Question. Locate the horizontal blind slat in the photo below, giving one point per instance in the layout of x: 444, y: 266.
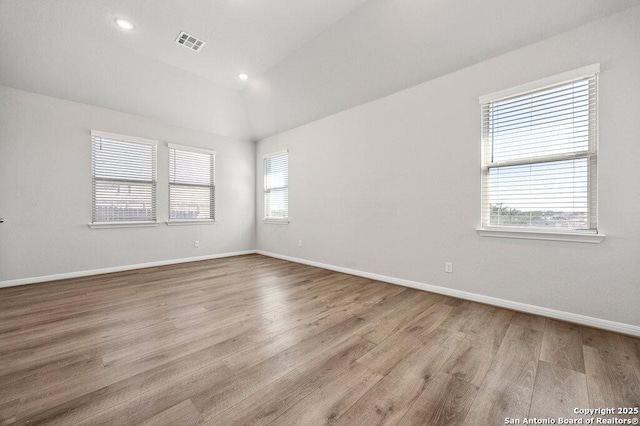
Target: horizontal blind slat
x: 276, y: 176
x: 191, y: 185
x: 526, y: 182
x: 124, y: 186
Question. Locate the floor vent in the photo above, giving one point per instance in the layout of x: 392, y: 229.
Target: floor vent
x: 190, y: 41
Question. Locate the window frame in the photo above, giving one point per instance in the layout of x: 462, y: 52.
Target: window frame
x: 153, y: 221
x: 539, y: 233
x: 267, y: 190
x: 212, y: 216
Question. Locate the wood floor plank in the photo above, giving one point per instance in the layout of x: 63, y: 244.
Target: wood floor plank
x: 492, y: 407
x: 610, y: 342
x: 86, y: 337
x: 514, y: 368
x: 445, y: 401
x: 246, y: 382
x: 214, y: 331
x: 492, y: 326
x: 25, y: 373
x: 183, y: 414
x: 389, y: 400
x: 380, y: 296
x: 202, y: 383
x: 151, y: 370
x: 202, y: 369
x: 14, y: 346
x: 55, y: 348
x: 131, y: 298
x: 29, y: 321
x: 145, y: 405
x: 244, y: 309
x: 377, y: 311
x: 508, y: 386
x: 558, y: 391
x: 263, y: 407
x: 157, y: 315
x: 399, y: 317
x: 470, y: 361
x: 397, y: 346
x: 284, y: 334
x: 535, y: 322
x: 8, y: 411
x: 112, y: 305
x: 613, y: 379
x: 325, y: 404
x: 304, y: 310
x: 140, y: 357
x: 26, y: 382
x: 631, y: 345
x: 562, y: 345
x: 465, y: 315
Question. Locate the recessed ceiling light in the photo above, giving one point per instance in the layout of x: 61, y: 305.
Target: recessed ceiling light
x: 124, y: 24
x: 243, y: 76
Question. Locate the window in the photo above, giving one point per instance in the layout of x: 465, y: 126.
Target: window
x: 191, y: 184
x: 124, y: 178
x: 539, y: 145
x: 276, y: 187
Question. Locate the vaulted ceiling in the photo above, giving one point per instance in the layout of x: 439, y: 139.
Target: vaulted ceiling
x: 306, y: 59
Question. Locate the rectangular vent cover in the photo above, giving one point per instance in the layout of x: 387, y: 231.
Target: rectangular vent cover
x: 190, y: 41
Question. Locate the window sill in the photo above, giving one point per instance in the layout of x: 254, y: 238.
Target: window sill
x: 541, y: 235
x: 100, y: 225
x: 191, y: 222
x: 276, y: 221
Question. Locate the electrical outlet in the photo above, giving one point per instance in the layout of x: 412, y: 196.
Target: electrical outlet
x: 196, y: 244
x: 299, y: 243
x: 448, y: 267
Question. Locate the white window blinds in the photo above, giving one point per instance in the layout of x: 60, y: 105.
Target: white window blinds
x: 191, y: 183
x: 276, y: 186
x: 124, y: 178
x: 539, y: 155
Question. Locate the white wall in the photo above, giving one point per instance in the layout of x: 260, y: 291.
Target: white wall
x: 45, y: 191
x: 392, y: 187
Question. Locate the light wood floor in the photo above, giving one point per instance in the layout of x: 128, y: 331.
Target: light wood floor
x: 256, y: 340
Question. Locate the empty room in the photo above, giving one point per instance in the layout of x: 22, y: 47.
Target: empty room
x: 307, y: 212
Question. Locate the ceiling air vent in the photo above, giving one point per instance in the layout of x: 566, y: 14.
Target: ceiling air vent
x: 190, y: 41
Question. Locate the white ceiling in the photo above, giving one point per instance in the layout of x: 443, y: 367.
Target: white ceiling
x: 241, y: 35
x: 306, y: 58
x: 389, y: 45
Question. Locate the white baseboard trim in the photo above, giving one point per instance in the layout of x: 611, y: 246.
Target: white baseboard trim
x: 516, y: 306
x: 34, y: 280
